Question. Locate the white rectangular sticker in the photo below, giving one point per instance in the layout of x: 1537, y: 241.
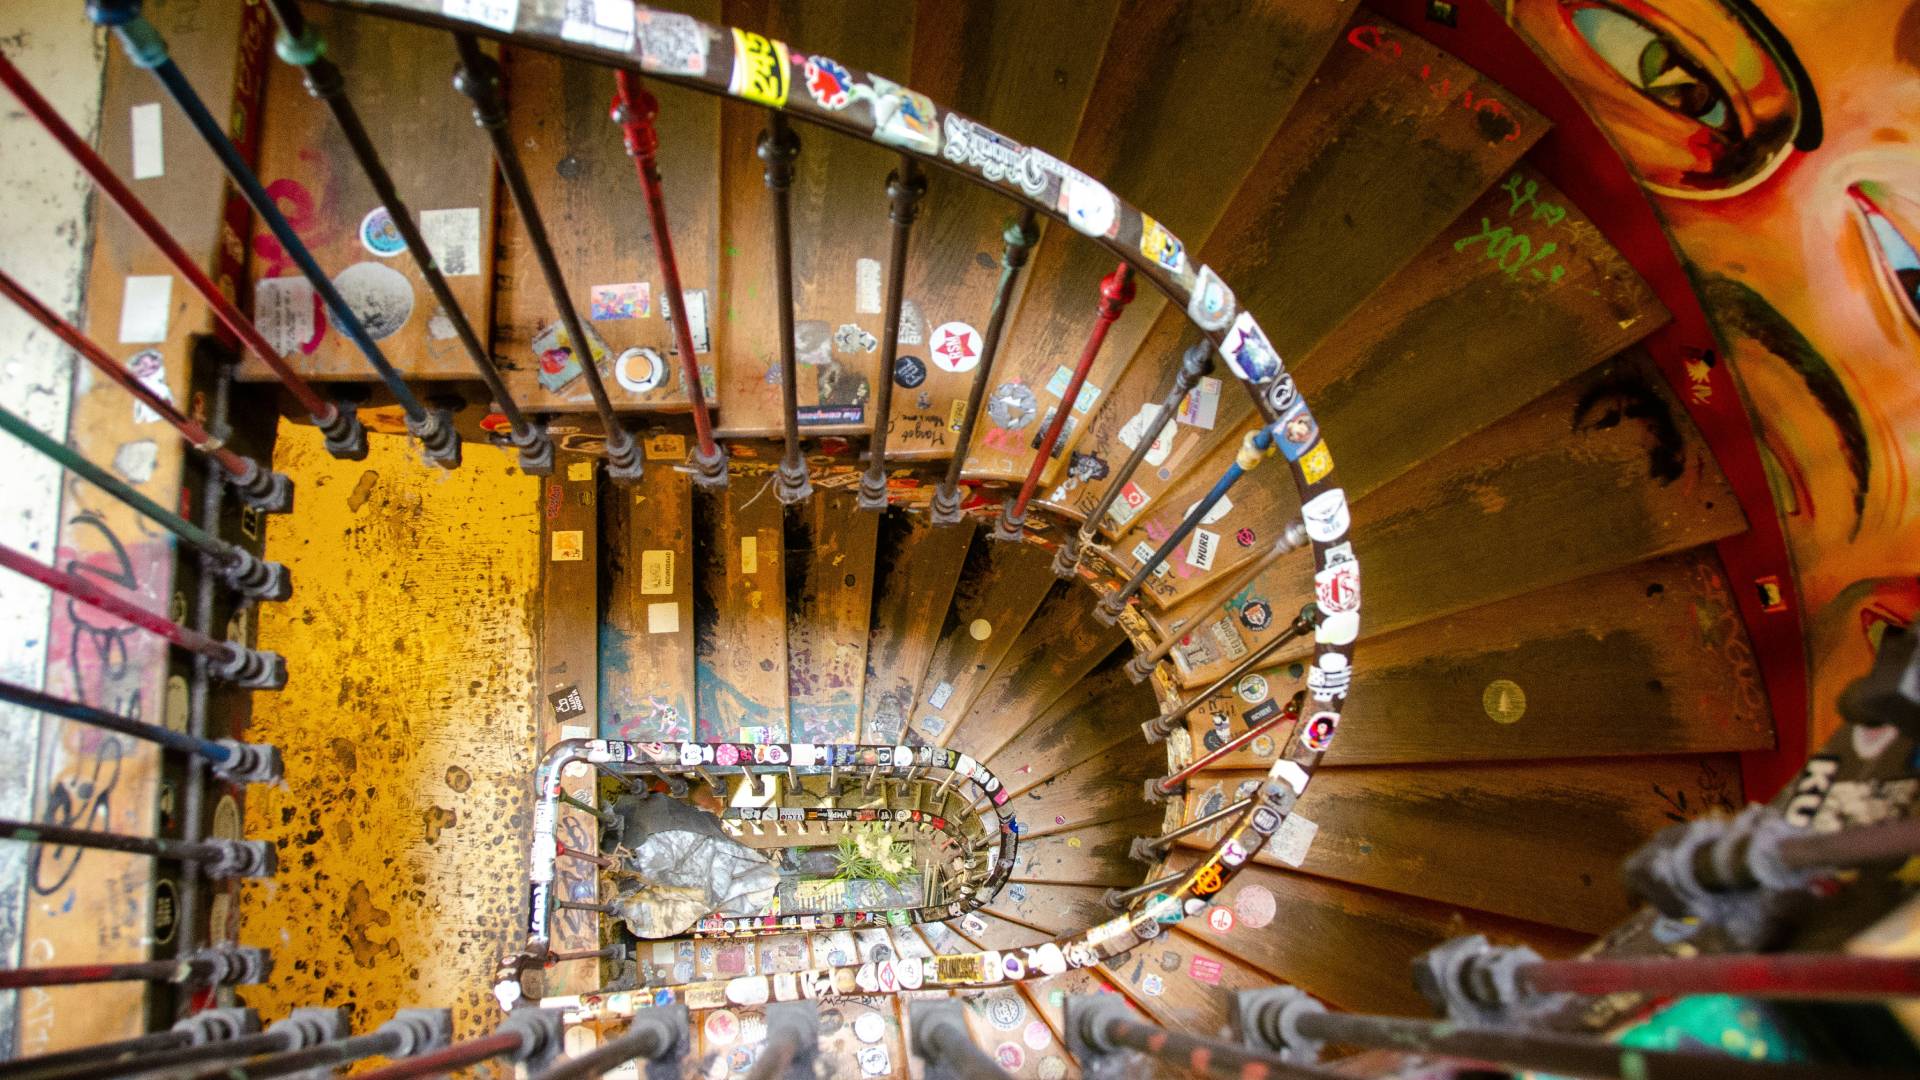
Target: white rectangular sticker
x: 1143, y: 551
x: 1293, y: 838
x: 696, y: 307
x: 656, y: 572
x: 606, y: 23
x: 498, y: 14
x: 283, y: 309
x: 568, y: 545
x: 454, y: 238
x: 938, y: 699
x: 749, y: 554
x: 866, y: 287
x: 1202, y: 404
x: 144, y: 309
x: 1202, y: 546
x: 149, y: 157
x: 663, y: 618
x: 1057, y: 386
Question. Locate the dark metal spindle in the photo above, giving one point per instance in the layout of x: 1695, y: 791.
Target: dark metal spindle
x: 146, y: 48
x: 634, y: 109
x: 301, y: 45
x: 224, y: 965
x: 906, y: 186
x: 648, y: 1037
x: 447, y: 1059
x: 409, y: 1031
x: 1116, y: 292
x: 257, y: 485
x: 254, y: 669
x: 236, y: 762
x: 1795, y: 975
x: 219, y: 858
x: 1150, y: 850
x: 1118, y: 900
x: 1291, y: 539
x: 1171, y: 783
x: 346, y: 438
x: 1158, y: 727
x: 778, y: 147
x: 943, y: 1041
x: 115, y: 1055
x: 1100, y: 1027
x: 1018, y: 239
x: 245, y: 572
x: 208, y: 1036
x: 1197, y: 362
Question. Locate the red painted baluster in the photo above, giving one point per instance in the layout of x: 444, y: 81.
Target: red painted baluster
x: 634, y: 109
x: 1116, y: 292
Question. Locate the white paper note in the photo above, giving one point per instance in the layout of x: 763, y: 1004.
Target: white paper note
x: 144, y: 309
x: 149, y: 158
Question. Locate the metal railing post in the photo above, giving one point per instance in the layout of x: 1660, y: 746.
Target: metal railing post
x: 1019, y: 238
x: 906, y: 186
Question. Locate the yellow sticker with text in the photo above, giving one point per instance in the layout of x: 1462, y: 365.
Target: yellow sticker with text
x: 569, y: 546
x: 760, y: 71
x: 1316, y: 463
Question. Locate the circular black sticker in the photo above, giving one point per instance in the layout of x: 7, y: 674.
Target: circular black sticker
x: 909, y: 371
x: 1257, y: 615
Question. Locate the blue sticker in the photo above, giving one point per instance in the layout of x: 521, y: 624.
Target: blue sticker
x: 1296, y: 431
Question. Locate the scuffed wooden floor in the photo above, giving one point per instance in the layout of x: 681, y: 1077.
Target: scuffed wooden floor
x: 407, y: 728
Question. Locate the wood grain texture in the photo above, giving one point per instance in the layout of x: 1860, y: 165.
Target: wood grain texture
x: 1101, y: 711
x: 1052, y: 909
x: 1180, y: 155
x: 1094, y: 855
x: 1308, y: 932
x: 740, y: 614
x: 1000, y: 588
x: 830, y: 567
x: 397, y: 77
x: 595, y: 213
x: 647, y: 688
x: 1541, y: 841
x: 1185, y: 983
x: 1104, y: 787
x: 916, y: 569
x: 1059, y: 645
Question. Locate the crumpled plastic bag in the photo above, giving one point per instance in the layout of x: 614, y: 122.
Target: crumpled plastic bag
x: 683, y: 867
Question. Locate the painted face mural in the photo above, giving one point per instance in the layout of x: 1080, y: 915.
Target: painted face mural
x: 1781, y: 143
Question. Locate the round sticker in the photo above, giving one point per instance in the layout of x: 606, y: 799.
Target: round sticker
x: 1263, y: 746
x: 980, y: 629
x: 869, y: 1028
x: 1152, y: 985
x: 1252, y: 689
x: 909, y: 371
x: 1504, y: 701
x: 1010, y: 1056
x: 1052, y: 1068
x: 1220, y: 919
x: 379, y: 234
x: 1005, y: 1012
x: 1213, y: 740
x: 829, y: 83
x: 639, y: 370
x: 380, y: 296
x: 1257, y: 615
x: 1244, y: 537
x: 1012, y: 406
x: 1255, y: 906
x: 874, y: 1060
x: 722, y: 1027
x: 955, y: 347
x: 1089, y: 206
x: 1036, y: 1035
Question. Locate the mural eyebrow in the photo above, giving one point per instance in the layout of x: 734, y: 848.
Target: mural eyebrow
x: 1811, y: 131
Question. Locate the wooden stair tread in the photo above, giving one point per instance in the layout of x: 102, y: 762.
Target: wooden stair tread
x: 647, y: 683
x: 917, y: 567
x: 1058, y: 646
x: 1000, y: 587
x: 829, y: 589
x: 740, y: 614
x: 1096, y: 855
x: 1102, y: 788
x: 1093, y: 716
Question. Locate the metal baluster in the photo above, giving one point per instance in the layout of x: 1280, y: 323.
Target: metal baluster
x: 216, y: 858
x: 233, y: 761
x: 1102, y: 1034
x: 146, y: 48
x: 1154, y: 849
x: 301, y: 1028
x: 584, y: 856
x: 778, y: 147
x: 1019, y: 239
x: 610, y: 952
x: 1118, y: 900
x: 116, y: 1055
x: 1159, y: 789
x: 793, y: 1042
x: 223, y: 965
x: 253, y: 669
x: 634, y: 110
x: 408, y: 1032
x: 346, y: 437
x: 1196, y: 363
x: 526, y: 1036
x: 943, y: 1042
x: 478, y: 77
x: 1116, y: 292
x: 905, y: 187
x: 1253, y: 450
x: 301, y: 45
x: 243, y: 571
x: 1292, y: 538
x: 1793, y: 975
x: 657, y: 1034
x: 1157, y: 728
x: 257, y: 485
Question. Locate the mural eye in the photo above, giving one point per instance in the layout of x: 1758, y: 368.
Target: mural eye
x: 1893, y: 254
x: 1703, y: 97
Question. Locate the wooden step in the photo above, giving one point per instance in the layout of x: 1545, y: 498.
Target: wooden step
x: 647, y: 683
x: 595, y: 213
x: 1311, y: 933
x: 1186, y: 983
x: 397, y: 77
x: 1540, y: 841
x: 1647, y: 659
x: 1105, y: 787
x: 1169, y: 153
x: 1059, y: 645
x: 1052, y: 909
x: 1097, y: 714
x: 1000, y: 588
x: 740, y: 614
x: 916, y: 570
x: 829, y: 591
x: 1097, y: 855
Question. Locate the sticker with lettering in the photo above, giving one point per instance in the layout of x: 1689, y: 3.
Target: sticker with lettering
x: 760, y: 69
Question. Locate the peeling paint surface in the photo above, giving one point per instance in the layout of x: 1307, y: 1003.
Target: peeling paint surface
x: 407, y: 728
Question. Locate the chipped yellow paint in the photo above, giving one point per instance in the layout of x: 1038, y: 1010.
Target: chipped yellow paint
x: 407, y: 728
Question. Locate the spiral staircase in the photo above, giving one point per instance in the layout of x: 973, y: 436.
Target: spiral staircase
x: 1553, y: 665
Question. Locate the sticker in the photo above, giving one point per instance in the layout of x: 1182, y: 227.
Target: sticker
x: 145, y: 308
x: 1295, y: 836
x: 554, y: 347
x: 850, y: 338
x: 1219, y: 510
x: 454, y: 239
x: 1201, y: 407
x: 1089, y: 207
x: 440, y: 328
x: 1252, y: 689
x: 956, y: 414
x: 1161, y: 246
x: 1263, y: 746
x: 284, y: 309
x: 866, y: 272
x: 722, y: 1027
x: 830, y: 85
x: 567, y: 703
x: 1051, y: 1067
x: 980, y: 629
x: 150, y: 368
x: 632, y: 300
x: 1264, y: 711
x: 1036, y: 1034
x: 941, y: 694
x: 955, y: 347
x: 760, y: 70
x: 663, y: 618
x: 656, y: 572
x: 137, y: 460
x: 640, y: 370
x: 1057, y: 386
x: 972, y: 923
x: 1010, y: 1056
x: 1506, y: 703
x: 1296, y: 431
x: 749, y: 554
x: 1290, y: 773
x: 1211, y: 305
x: 1220, y: 919
x: 1325, y: 516
x: 909, y: 372
x: 378, y: 295
x: 1255, y: 906
x: 671, y: 43
x: 902, y: 117
x: 913, y: 325
x: 696, y: 306
x: 1231, y: 643
x: 1318, y: 733
x: 1338, y: 629
x: 497, y: 14
x: 749, y: 990
x: 148, y: 159
x: 1256, y: 615
x: 1337, y: 588
x: 379, y: 235
x: 869, y: 1028
x: 1005, y: 1012
x: 1316, y: 463
x: 1204, y: 968
x: 832, y: 414
x: 1329, y: 677
x: 1201, y: 548
x: 568, y: 545
x: 1152, y: 985
x: 1012, y: 406
x: 1143, y: 551
x: 607, y: 24
x: 1132, y: 499
x: 1248, y: 352
x: 874, y: 1060
x: 1869, y: 740
x: 666, y: 447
